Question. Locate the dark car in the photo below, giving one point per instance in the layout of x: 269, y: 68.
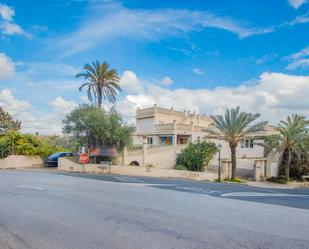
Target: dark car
x: 52, y: 160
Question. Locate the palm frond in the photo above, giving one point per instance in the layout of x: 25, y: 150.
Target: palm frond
x: 102, y: 82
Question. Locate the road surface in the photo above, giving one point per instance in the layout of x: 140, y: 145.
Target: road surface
x: 50, y: 210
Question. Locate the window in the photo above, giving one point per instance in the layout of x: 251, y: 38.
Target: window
x: 150, y: 140
x: 246, y: 143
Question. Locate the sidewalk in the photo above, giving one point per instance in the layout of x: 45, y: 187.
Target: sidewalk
x: 290, y: 185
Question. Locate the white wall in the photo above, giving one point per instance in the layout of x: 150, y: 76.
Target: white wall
x: 20, y: 161
x: 145, y: 125
x: 256, y: 151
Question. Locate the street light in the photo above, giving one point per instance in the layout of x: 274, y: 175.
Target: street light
x: 219, y: 147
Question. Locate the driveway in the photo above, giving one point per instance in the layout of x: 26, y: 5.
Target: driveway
x: 60, y: 210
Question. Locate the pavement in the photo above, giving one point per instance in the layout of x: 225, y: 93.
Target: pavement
x: 52, y: 210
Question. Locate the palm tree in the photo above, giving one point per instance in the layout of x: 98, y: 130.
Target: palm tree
x: 103, y: 83
x: 232, y: 127
x: 291, y: 141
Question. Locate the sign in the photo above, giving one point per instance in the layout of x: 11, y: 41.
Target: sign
x: 84, y: 158
x: 105, y: 164
x: 103, y: 151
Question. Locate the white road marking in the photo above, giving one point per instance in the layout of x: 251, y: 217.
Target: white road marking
x: 257, y: 194
x: 214, y: 191
x: 29, y: 187
x: 195, y: 189
x: 127, y: 179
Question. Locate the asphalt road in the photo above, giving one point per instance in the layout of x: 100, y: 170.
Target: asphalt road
x: 46, y: 210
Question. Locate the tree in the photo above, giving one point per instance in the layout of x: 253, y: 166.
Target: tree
x: 196, y: 156
x: 291, y: 141
x: 7, y: 122
x: 103, y: 83
x: 233, y: 126
x: 94, y: 127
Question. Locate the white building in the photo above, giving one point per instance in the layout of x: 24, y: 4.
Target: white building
x: 167, y: 131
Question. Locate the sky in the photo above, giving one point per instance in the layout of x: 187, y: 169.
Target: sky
x: 201, y: 55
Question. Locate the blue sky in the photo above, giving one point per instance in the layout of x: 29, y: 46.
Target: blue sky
x: 202, y: 56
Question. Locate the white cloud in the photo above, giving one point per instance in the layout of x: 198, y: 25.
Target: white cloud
x: 62, y: 106
x: 299, y: 59
x: 112, y: 20
x: 7, y: 68
x: 12, y: 105
x: 130, y: 83
x: 296, y: 3
x: 197, y: 71
x: 7, y: 24
x: 274, y: 95
x: 166, y: 81
x: 49, y: 122
x: 6, y: 12
x: 301, y: 19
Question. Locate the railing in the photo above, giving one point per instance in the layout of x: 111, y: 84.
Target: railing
x: 183, y: 127
x: 145, y: 112
x: 135, y: 152
x: 164, y: 127
x: 161, y: 148
x: 170, y: 127
x: 199, y: 128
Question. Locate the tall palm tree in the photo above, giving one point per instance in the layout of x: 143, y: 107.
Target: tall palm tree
x: 291, y: 141
x: 232, y: 127
x: 103, y: 83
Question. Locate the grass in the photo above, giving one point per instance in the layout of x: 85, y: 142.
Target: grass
x: 236, y: 180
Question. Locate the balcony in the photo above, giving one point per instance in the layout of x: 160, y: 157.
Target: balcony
x: 172, y: 127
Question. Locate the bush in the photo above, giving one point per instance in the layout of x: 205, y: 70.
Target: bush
x: 279, y: 179
x: 25, y: 144
x: 196, y: 156
x: 180, y: 167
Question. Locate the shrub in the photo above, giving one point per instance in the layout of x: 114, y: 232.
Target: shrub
x: 149, y: 165
x: 25, y: 144
x: 279, y: 179
x: 196, y: 156
x: 180, y: 167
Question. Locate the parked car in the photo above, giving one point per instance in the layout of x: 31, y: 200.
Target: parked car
x: 52, y: 160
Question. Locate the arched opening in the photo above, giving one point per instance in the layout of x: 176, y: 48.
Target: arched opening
x: 134, y: 163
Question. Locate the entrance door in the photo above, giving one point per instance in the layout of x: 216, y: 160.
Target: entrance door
x: 274, y: 169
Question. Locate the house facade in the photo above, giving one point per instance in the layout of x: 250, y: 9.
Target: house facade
x: 168, y: 126
x: 164, y: 132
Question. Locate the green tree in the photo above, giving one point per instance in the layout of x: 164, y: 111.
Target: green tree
x: 67, y: 142
x: 196, y: 156
x: 233, y: 126
x: 291, y: 141
x: 7, y: 122
x: 103, y: 83
x: 94, y: 127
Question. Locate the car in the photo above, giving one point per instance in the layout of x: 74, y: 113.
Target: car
x: 52, y: 160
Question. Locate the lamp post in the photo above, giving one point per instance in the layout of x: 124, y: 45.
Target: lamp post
x: 219, y: 147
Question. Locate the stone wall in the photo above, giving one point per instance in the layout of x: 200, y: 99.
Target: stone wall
x: 65, y: 164
x: 20, y: 161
